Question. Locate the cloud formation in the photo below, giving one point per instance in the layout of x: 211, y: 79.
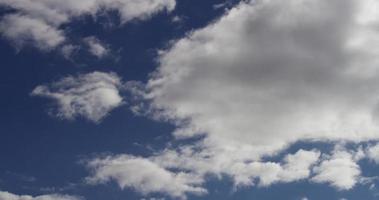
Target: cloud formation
x: 267, y: 74
x: 9, y: 196
x: 39, y: 22
x: 270, y: 73
x: 157, y: 174
x: 91, y: 95
x: 144, y: 176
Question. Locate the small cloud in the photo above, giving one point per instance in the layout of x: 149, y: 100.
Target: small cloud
x: 91, y: 95
x: 176, y: 19
x: 68, y: 50
x: 96, y: 47
x: 144, y: 176
x: 330, y: 170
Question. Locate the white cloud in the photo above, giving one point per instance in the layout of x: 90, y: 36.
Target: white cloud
x: 340, y: 170
x: 295, y: 167
x: 21, y: 29
x: 96, y: 47
x: 268, y: 74
x: 9, y: 196
x: 271, y: 73
x: 179, y: 173
x: 39, y: 21
x: 265, y: 75
x: 144, y: 176
x: 91, y: 95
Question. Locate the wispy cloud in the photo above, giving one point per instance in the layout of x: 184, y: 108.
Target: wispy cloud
x: 91, y: 95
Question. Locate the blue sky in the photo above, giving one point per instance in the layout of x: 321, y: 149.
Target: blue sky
x: 181, y: 99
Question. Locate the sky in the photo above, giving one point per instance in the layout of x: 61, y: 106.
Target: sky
x: 189, y: 100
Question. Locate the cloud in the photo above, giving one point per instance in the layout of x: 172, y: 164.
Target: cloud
x: 9, y: 196
x: 267, y: 74
x: 39, y: 22
x: 96, y: 47
x: 298, y: 165
x: 373, y: 153
x: 270, y: 73
x: 68, y: 50
x: 294, y: 167
x: 144, y: 176
x: 340, y: 170
x: 91, y: 95
x: 178, y: 174
x: 21, y: 30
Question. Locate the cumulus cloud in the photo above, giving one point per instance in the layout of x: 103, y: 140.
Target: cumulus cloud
x: 294, y: 167
x: 179, y: 173
x: 9, y: 196
x: 39, y: 21
x: 96, y: 47
x: 340, y: 170
x: 144, y: 176
x: 265, y: 75
x: 91, y: 95
x: 270, y: 73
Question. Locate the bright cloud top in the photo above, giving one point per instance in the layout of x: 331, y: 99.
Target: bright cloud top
x: 91, y: 96
x: 39, y: 21
x: 10, y: 196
